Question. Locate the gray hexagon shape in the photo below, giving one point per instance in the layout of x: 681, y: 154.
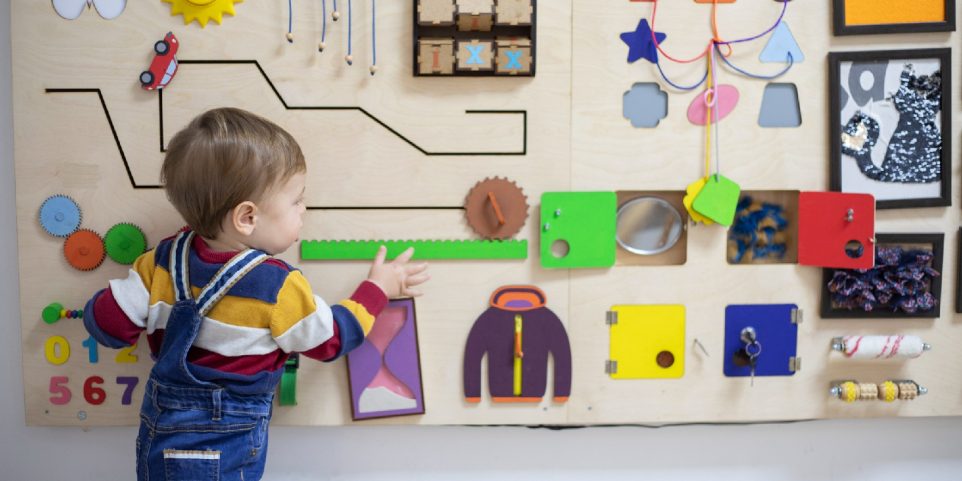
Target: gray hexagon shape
x: 645, y: 104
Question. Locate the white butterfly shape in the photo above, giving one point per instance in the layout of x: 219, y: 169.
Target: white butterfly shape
x: 71, y: 9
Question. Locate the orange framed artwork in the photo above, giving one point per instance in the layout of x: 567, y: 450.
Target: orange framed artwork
x: 861, y: 17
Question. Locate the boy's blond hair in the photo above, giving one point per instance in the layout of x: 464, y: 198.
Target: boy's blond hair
x: 224, y: 157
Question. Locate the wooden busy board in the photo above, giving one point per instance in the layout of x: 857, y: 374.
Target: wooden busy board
x: 392, y: 156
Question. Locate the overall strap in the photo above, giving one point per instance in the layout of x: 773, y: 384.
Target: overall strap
x: 179, y: 258
x: 228, y: 275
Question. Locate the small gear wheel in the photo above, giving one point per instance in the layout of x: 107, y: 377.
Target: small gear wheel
x: 59, y: 215
x: 84, y: 250
x: 496, y: 208
x: 125, y: 242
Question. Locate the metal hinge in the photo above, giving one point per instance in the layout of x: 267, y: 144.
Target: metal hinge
x: 794, y: 364
x: 611, y: 318
x: 611, y: 367
x: 796, y: 316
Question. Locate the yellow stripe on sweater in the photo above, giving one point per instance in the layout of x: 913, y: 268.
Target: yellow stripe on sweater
x: 364, y: 318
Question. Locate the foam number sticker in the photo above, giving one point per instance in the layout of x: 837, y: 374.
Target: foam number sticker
x: 57, y: 386
x: 131, y: 383
x: 126, y: 355
x: 692, y: 191
x: 91, y: 345
x: 92, y: 393
x: 57, y: 350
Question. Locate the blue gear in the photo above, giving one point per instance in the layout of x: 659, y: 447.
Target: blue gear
x: 60, y: 215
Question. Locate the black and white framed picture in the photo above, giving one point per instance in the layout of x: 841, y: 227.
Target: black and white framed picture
x: 890, y: 125
x: 906, y: 281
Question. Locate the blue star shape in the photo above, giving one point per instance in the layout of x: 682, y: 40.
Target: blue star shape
x: 640, y: 44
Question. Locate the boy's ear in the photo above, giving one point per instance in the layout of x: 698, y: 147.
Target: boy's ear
x: 244, y: 217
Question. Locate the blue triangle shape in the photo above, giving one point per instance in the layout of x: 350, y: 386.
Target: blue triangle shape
x: 780, y: 45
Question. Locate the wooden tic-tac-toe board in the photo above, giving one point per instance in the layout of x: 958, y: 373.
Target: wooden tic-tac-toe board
x: 393, y: 156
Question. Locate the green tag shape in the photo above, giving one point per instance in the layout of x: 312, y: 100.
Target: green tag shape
x: 718, y: 199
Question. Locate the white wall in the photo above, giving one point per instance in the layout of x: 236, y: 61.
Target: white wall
x: 880, y: 450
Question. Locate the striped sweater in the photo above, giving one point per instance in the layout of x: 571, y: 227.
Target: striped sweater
x: 267, y: 315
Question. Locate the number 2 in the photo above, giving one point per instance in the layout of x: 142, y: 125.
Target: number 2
x: 127, y: 354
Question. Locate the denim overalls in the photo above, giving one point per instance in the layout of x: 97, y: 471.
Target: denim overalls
x: 192, y: 429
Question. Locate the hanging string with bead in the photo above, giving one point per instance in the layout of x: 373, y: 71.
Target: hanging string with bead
x: 373, y: 36
x: 350, y: 34
x: 321, y: 45
x: 290, y: 21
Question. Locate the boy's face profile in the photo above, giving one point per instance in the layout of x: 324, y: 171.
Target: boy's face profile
x: 280, y: 216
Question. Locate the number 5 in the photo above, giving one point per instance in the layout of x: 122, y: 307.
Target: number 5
x: 57, y: 387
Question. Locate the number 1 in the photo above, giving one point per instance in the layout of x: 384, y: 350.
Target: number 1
x: 91, y: 345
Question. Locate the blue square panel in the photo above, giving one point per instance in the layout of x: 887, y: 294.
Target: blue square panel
x: 776, y: 329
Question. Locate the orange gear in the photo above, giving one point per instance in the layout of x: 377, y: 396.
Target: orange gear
x: 496, y: 208
x: 84, y: 250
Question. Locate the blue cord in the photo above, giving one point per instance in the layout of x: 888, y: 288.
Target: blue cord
x: 334, y: 15
x: 791, y: 62
x: 323, y: 24
x: 373, y: 34
x: 290, y: 21
x: 681, y: 87
x: 350, y: 13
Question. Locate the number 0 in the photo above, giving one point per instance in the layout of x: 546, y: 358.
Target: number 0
x: 57, y: 350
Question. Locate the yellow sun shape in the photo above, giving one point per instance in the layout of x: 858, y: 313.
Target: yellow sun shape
x: 202, y: 10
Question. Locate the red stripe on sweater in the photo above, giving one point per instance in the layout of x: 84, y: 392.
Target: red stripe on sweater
x: 112, y: 320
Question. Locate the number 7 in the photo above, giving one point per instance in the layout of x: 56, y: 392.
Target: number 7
x: 131, y: 383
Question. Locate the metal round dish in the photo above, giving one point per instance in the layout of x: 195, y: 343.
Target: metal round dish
x: 648, y: 225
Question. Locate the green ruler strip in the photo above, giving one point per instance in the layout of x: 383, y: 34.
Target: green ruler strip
x: 328, y: 250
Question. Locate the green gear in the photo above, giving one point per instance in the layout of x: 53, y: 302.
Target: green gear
x: 125, y: 242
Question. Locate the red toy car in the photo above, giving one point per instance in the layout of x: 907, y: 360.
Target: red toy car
x: 164, y: 66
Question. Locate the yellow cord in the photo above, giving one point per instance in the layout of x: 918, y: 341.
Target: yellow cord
x: 709, y: 99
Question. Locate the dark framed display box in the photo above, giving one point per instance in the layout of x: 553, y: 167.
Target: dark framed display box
x: 906, y: 281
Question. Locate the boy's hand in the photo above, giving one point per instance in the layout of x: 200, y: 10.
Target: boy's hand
x: 397, y: 278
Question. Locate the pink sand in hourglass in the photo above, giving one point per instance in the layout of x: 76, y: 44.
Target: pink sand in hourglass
x: 386, y: 390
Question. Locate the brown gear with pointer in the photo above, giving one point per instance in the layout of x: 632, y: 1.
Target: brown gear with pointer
x: 496, y: 208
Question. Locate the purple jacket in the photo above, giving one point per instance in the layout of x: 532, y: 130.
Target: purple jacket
x: 517, y: 311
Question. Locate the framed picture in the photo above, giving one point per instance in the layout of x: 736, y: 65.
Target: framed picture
x: 862, y: 17
x: 890, y: 125
x: 385, y: 371
x: 905, y: 282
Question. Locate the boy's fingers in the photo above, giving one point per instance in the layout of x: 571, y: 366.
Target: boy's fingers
x: 405, y: 256
x: 381, y: 254
x: 416, y: 279
x: 416, y: 268
x: 411, y: 292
